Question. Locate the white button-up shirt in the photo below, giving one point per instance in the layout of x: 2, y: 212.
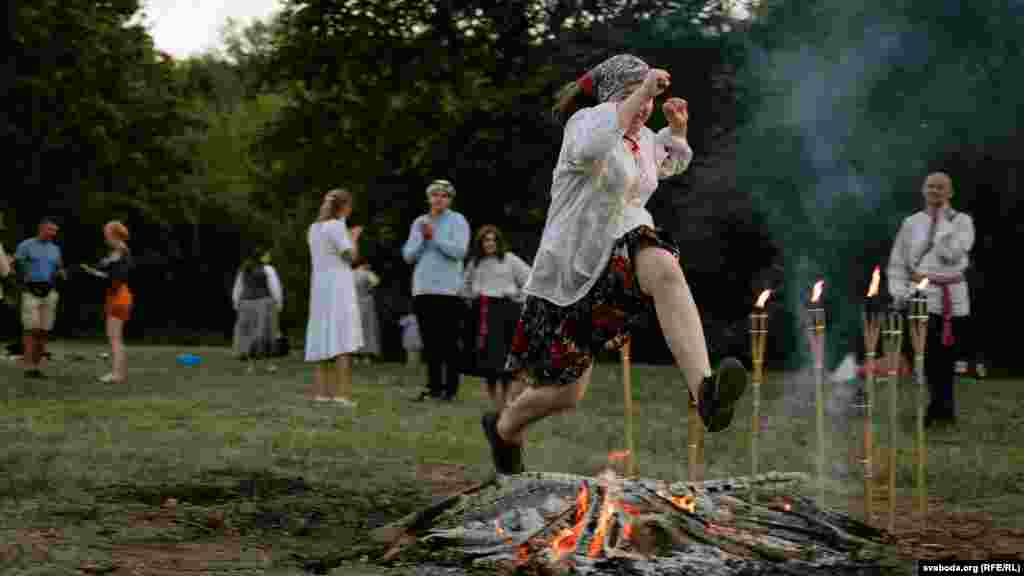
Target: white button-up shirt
x: 598, y: 193
x: 947, y: 256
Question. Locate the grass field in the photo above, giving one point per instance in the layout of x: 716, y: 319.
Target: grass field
x: 207, y: 470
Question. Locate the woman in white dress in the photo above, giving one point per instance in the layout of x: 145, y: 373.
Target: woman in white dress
x: 334, y: 330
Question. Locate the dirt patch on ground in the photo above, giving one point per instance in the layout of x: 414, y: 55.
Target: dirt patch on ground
x: 444, y: 478
x: 184, y: 558
x: 36, y: 543
x: 943, y: 534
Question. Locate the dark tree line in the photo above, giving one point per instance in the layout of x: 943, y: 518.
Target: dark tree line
x: 813, y: 124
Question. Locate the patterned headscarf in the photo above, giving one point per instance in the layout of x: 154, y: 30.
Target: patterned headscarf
x: 609, y: 79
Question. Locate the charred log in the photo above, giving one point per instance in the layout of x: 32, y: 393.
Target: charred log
x: 557, y: 523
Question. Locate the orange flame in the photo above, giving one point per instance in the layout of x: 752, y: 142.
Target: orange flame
x: 523, y: 554
x: 627, y: 531
x: 631, y: 510
x: 616, y: 456
x: 922, y: 284
x: 876, y: 279
x: 688, y: 503
x: 603, y: 522
x: 565, y: 541
x: 763, y: 298
x: 818, y: 287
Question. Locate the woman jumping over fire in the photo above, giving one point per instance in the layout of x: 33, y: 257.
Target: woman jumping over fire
x: 601, y: 261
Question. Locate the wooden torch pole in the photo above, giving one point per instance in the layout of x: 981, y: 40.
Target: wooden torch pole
x: 627, y: 385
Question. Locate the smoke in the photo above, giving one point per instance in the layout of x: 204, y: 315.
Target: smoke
x: 823, y: 165
x: 828, y: 160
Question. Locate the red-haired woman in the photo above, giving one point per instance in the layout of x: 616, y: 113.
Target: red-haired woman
x: 116, y: 269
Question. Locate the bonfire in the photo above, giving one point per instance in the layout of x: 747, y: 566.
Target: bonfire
x: 546, y: 523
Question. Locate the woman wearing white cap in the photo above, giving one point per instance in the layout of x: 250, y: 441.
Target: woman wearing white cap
x: 437, y: 244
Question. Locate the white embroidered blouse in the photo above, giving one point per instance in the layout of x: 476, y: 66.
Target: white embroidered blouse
x: 496, y: 278
x: 598, y: 194
x: 947, y: 256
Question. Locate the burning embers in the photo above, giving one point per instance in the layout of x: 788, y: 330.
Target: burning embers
x: 565, y: 541
x: 601, y: 521
x: 587, y: 525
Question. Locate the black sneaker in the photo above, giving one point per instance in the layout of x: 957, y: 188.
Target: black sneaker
x: 508, y: 458
x: 35, y: 373
x: 719, y: 393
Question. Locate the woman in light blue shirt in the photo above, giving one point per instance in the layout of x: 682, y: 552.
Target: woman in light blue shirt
x: 437, y: 244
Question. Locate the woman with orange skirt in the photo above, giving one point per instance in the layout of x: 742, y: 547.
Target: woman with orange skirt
x: 116, y: 268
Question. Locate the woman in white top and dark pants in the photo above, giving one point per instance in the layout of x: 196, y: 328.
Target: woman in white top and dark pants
x: 935, y: 244
x: 494, y: 281
x: 602, y: 265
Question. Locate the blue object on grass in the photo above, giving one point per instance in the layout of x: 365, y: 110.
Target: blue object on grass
x: 188, y: 359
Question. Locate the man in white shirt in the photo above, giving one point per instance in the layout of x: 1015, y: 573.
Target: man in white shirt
x: 935, y: 244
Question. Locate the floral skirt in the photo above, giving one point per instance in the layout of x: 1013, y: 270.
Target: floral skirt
x: 554, y: 345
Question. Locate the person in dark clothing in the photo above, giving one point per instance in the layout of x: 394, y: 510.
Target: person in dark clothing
x: 493, y: 289
x: 437, y: 244
x: 116, y: 268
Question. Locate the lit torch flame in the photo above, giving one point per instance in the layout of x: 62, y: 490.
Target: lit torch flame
x: 818, y: 287
x: 876, y: 279
x: 922, y: 284
x: 762, y: 299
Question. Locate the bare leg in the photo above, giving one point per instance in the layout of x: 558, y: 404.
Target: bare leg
x: 28, y: 355
x: 321, y: 381
x: 40, y: 347
x: 343, y: 377
x: 511, y: 390
x: 661, y: 277
x: 538, y: 403
x: 118, y: 356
